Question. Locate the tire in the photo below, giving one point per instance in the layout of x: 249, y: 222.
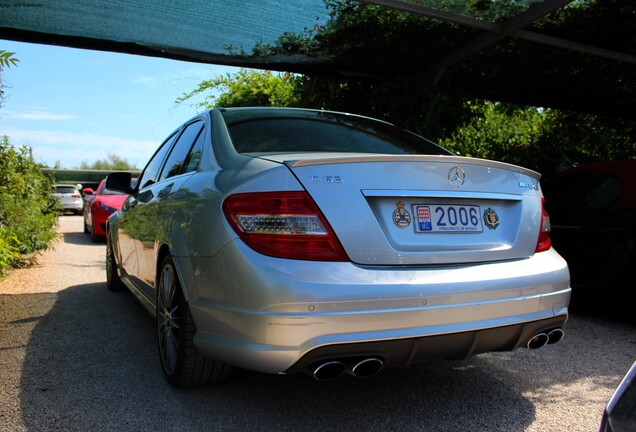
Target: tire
x: 113, y: 281
x: 182, y: 364
x: 95, y: 238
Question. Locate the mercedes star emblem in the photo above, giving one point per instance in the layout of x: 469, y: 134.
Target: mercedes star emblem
x: 456, y: 177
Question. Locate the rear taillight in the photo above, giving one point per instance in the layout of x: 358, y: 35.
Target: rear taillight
x: 76, y: 196
x: 544, y: 243
x: 283, y: 225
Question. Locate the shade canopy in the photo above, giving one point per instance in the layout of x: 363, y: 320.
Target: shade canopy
x: 577, y: 55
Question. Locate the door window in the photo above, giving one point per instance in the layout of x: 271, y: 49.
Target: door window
x: 175, y: 164
x: 151, y: 172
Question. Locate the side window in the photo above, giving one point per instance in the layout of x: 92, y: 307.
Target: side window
x: 194, y: 157
x: 181, y: 149
x: 152, y: 169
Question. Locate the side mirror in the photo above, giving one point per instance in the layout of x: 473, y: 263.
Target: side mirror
x: 88, y: 191
x: 120, y: 182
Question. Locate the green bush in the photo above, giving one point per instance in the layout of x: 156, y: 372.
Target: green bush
x: 28, y: 210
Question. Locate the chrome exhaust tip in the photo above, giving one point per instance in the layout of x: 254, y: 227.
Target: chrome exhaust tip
x: 366, y: 368
x: 538, y: 341
x: 328, y: 370
x: 555, y: 336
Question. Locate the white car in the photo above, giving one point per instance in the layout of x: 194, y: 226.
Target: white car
x: 70, y: 197
x: 287, y: 240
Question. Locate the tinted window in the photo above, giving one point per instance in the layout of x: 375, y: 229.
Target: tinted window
x: 180, y: 151
x: 194, y: 157
x: 66, y: 189
x: 106, y: 191
x: 584, y: 190
x: 256, y: 131
x: 152, y: 169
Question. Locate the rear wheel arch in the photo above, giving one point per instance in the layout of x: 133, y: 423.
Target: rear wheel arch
x: 164, y: 251
x: 183, y: 365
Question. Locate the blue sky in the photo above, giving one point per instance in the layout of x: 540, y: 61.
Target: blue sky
x: 72, y: 105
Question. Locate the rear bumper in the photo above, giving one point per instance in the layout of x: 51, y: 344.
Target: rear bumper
x: 452, y: 346
x: 76, y: 206
x: 276, y: 316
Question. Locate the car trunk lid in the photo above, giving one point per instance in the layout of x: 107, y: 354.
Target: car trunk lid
x: 422, y: 210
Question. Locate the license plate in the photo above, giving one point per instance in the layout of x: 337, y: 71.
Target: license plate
x: 447, y: 218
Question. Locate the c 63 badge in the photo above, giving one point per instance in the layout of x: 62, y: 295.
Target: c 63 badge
x: 401, y: 216
x: 491, y: 219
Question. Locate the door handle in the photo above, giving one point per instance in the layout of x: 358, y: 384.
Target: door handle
x: 165, y: 191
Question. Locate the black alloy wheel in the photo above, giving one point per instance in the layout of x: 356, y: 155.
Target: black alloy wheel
x: 183, y: 365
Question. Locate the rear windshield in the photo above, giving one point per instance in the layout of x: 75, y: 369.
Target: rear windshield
x: 288, y: 130
x: 65, y: 189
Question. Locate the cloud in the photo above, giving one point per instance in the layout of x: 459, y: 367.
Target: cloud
x: 146, y: 81
x: 72, y: 148
x: 36, y: 115
x: 189, y: 74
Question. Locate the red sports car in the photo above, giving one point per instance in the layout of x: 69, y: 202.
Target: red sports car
x: 98, y: 205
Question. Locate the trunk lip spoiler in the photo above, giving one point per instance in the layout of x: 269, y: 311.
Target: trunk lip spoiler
x: 329, y: 160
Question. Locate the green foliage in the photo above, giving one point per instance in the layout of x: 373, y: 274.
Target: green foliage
x: 246, y: 88
x: 28, y: 210
x: 7, y: 59
x: 584, y: 137
x: 541, y: 139
x: 356, y: 32
x: 9, y: 249
x: 498, y: 131
x: 402, y: 100
x: 112, y: 162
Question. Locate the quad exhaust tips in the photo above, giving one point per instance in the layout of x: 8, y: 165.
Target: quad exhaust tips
x: 329, y: 370
x: 555, y: 336
x: 366, y: 368
x: 332, y: 369
x: 370, y: 366
x: 541, y: 339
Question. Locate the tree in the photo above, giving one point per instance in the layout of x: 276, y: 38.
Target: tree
x: 537, y: 138
x: 112, y: 162
x: 28, y: 211
x: 541, y: 139
x: 7, y: 59
x: 246, y: 88
x: 497, y: 131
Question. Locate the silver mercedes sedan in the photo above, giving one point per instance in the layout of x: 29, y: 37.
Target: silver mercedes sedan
x: 288, y: 240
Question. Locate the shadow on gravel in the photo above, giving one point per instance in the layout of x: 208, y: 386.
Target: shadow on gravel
x: 91, y: 364
x: 80, y: 239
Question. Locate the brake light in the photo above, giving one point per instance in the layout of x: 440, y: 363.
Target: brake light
x: 544, y: 243
x: 283, y: 225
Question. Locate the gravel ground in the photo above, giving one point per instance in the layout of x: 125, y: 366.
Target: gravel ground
x: 75, y: 357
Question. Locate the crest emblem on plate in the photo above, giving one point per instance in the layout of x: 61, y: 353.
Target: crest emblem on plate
x: 491, y: 218
x: 456, y: 177
x: 401, y: 216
